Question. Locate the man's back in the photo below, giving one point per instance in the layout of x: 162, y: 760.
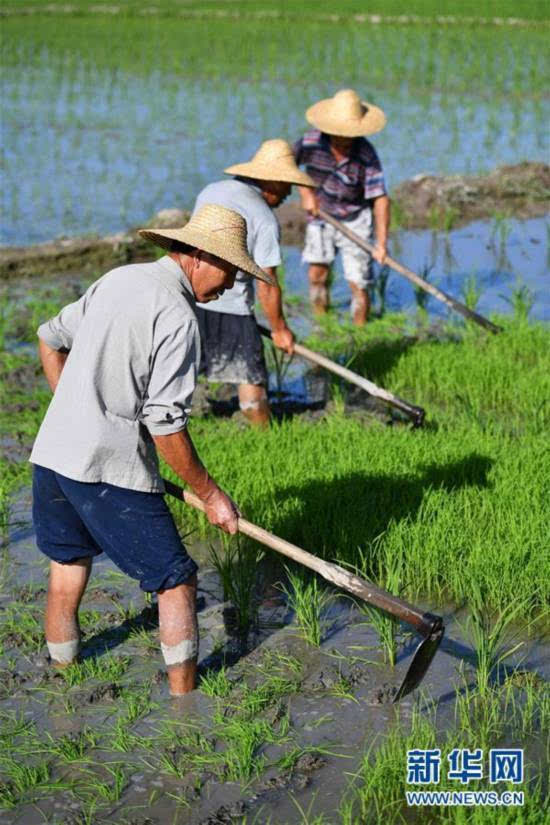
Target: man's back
x: 133, y: 342
x: 263, y: 238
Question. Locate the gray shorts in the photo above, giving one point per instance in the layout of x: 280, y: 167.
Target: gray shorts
x: 231, y: 348
x: 323, y: 241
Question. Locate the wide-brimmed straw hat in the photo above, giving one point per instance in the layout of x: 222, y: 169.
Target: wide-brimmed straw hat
x: 274, y: 160
x: 346, y: 115
x: 214, y: 229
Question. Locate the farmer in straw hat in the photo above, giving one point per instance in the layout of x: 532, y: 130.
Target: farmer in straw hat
x: 232, y: 346
x: 122, y: 362
x: 350, y: 187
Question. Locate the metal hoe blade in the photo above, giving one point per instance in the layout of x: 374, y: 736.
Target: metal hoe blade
x: 422, y: 659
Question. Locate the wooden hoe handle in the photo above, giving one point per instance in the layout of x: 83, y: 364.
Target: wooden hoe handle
x: 422, y: 622
x: 413, y: 277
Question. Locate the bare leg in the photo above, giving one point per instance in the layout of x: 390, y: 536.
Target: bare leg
x: 318, y: 290
x: 65, y: 590
x: 179, y: 635
x: 254, y: 404
x: 360, y: 305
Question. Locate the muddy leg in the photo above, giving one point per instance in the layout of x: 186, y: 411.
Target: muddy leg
x: 318, y: 289
x: 179, y: 635
x: 65, y: 590
x: 360, y: 305
x: 254, y: 404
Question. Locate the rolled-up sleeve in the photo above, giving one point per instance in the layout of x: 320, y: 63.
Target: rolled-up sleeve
x: 58, y: 333
x: 173, y: 376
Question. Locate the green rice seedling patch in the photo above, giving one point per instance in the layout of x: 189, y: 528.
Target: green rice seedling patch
x: 112, y: 114
x: 106, y: 667
x: 308, y: 599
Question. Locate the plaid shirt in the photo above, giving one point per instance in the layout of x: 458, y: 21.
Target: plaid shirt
x: 344, y: 188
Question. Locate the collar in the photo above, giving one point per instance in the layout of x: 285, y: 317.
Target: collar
x: 324, y: 141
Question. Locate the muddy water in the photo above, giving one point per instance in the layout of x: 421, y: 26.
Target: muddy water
x: 113, y: 147
x: 341, y: 707
x: 499, y: 255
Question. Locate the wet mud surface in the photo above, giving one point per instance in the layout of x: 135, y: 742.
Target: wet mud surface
x: 147, y: 759
x: 521, y: 191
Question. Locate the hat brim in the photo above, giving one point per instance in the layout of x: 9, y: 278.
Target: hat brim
x: 169, y: 238
x: 321, y: 115
x: 271, y: 172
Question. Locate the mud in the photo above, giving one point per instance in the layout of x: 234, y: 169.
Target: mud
x: 427, y: 201
x: 338, y: 703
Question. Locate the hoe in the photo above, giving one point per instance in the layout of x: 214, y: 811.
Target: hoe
x: 411, y: 276
x: 429, y: 626
x: 416, y: 414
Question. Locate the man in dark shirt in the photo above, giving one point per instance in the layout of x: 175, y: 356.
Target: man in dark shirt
x: 351, y: 188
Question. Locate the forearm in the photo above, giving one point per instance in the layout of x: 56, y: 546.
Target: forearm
x: 179, y: 452
x: 382, y: 211
x: 271, y: 300
x: 53, y: 362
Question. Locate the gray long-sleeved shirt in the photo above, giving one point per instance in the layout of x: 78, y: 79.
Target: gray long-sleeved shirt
x: 130, y: 373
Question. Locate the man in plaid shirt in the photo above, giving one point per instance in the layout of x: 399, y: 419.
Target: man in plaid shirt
x: 351, y: 188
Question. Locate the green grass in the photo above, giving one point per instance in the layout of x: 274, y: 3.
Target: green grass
x: 463, y: 501
x: 308, y: 599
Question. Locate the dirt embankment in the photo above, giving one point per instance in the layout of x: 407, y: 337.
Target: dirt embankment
x: 426, y: 201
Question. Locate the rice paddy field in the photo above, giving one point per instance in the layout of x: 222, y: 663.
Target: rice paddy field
x: 113, y: 112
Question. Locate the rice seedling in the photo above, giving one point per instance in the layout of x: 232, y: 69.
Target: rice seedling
x: 122, y: 739
x: 71, y: 747
x: 21, y: 779
x: 136, y: 704
x: 278, y: 363
x: 443, y: 218
x: 216, y: 683
x: 380, y: 289
x: 104, y: 668
x: 422, y: 297
x: 110, y: 789
x: 388, y: 570
x: 236, y: 563
x: 243, y: 739
x: 494, y: 638
x: 21, y: 627
x: 308, y: 599
x: 471, y: 292
x: 521, y: 300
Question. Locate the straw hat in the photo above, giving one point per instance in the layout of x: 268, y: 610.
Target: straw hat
x: 214, y: 229
x: 274, y: 160
x: 346, y: 115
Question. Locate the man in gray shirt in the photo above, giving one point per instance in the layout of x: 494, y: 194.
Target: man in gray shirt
x: 232, y: 346
x: 122, y: 362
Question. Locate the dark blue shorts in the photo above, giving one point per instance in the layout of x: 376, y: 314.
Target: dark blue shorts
x: 75, y: 520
